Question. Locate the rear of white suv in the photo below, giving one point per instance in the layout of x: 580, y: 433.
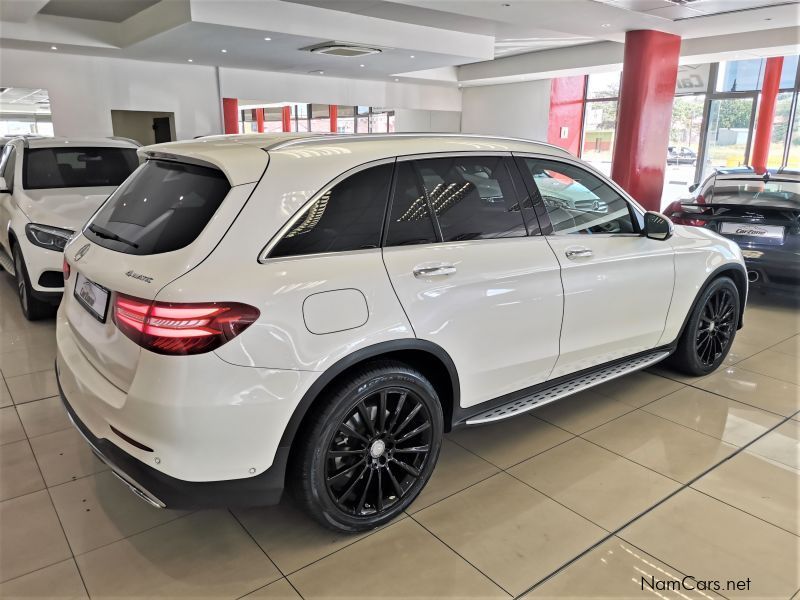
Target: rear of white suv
x: 245, y: 309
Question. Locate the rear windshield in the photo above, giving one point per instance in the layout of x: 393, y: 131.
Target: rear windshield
x: 49, y: 168
x: 774, y: 192
x: 163, y: 207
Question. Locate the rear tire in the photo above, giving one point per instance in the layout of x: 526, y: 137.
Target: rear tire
x: 710, y: 330
x: 33, y: 308
x: 369, y: 449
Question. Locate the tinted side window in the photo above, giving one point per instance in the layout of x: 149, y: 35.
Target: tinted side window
x: 472, y: 197
x: 349, y: 216
x: 410, y: 221
x: 49, y: 168
x: 577, y: 201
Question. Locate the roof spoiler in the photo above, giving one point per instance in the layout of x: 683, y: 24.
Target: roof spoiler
x: 124, y: 139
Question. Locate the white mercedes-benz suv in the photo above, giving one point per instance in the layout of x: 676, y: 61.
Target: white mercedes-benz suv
x: 249, y: 311
x: 49, y: 187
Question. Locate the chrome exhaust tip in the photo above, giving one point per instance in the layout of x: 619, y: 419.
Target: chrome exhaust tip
x: 752, y: 276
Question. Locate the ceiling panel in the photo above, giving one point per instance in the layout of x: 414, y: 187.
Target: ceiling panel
x: 114, y: 11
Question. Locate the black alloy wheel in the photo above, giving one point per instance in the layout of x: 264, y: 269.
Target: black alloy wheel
x: 715, y: 327
x: 368, y: 448
x: 378, y: 452
x: 710, y: 329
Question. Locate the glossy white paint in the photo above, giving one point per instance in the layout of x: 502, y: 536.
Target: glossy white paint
x: 498, y: 314
x: 66, y: 208
x: 497, y: 307
x: 615, y: 299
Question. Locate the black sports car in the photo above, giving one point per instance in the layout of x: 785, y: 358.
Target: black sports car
x: 759, y: 212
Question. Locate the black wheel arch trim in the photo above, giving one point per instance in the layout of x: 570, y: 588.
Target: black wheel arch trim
x: 358, y: 357
x: 716, y: 273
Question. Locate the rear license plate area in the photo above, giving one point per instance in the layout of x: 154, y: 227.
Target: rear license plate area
x: 93, y: 297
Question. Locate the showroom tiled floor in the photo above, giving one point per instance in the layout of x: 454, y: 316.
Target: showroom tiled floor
x: 652, y: 475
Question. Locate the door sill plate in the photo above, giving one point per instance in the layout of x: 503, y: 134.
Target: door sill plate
x: 567, y: 388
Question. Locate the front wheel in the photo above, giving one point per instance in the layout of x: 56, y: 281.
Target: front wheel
x: 33, y: 308
x: 710, y: 331
x: 370, y: 448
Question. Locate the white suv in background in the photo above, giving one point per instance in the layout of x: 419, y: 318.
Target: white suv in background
x: 249, y: 310
x: 49, y: 187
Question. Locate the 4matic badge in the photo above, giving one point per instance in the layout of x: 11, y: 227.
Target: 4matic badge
x: 139, y: 276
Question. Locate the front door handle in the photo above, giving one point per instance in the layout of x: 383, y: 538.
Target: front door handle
x: 578, y: 252
x: 433, y: 270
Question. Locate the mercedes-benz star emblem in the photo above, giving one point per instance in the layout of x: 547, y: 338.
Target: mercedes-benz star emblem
x: 81, y: 252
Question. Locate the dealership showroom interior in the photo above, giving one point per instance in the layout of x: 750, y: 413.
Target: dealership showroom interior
x: 471, y: 299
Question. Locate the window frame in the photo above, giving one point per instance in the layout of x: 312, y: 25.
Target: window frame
x: 9, y: 153
x: 264, y: 256
x: 637, y: 212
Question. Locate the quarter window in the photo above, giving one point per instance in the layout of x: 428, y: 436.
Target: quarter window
x: 577, y: 201
x: 348, y: 216
x: 8, y: 167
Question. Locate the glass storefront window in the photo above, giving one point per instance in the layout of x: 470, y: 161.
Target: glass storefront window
x: 603, y: 85
x: 684, y: 146
x: 794, y: 142
x: 598, y: 134
x: 740, y: 75
x: 728, y: 133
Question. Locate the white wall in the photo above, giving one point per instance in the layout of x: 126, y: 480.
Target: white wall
x: 415, y: 120
x: 271, y: 86
x: 514, y: 109
x: 85, y: 89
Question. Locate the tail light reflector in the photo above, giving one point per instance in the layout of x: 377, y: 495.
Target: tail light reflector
x: 181, y: 328
x: 65, y: 269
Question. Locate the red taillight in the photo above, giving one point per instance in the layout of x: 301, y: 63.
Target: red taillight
x: 65, y: 268
x: 675, y: 208
x: 181, y: 328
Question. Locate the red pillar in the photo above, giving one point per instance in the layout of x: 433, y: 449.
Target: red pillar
x: 286, y: 118
x: 230, y: 114
x: 260, y: 120
x: 566, y: 111
x: 766, y: 114
x: 649, y: 72
x: 334, y: 111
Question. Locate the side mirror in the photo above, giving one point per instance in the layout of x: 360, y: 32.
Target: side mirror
x: 657, y: 226
x: 3, y: 187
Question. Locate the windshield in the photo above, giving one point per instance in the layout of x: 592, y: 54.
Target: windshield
x: 163, y: 207
x: 774, y: 192
x: 50, y: 168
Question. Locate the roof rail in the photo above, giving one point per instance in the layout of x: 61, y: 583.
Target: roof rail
x: 125, y: 139
x: 372, y: 136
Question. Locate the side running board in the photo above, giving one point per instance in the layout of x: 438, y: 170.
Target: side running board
x: 6, y: 262
x: 567, y: 388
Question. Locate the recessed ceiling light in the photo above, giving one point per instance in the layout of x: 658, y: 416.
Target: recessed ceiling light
x: 189, y: 60
x: 53, y: 47
x: 396, y: 79
x: 412, y: 56
x: 267, y: 39
x: 606, y: 25
x: 321, y: 72
x: 223, y: 51
x: 360, y: 65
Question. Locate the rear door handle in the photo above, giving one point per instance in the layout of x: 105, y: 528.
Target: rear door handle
x: 578, y: 252
x: 433, y: 270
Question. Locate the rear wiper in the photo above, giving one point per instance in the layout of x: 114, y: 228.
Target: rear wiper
x: 110, y: 235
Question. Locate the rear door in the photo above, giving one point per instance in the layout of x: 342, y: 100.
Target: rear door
x: 469, y: 276
x: 162, y: 222
x: 617, y: 283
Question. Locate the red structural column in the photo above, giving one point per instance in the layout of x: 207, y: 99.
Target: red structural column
x: 334, y: 111
x: 566, y: 112
x: 649, y: 72
x: 230, y: 115
x: 286, y: 118
x: 766, y: 114
x: 260, y: 120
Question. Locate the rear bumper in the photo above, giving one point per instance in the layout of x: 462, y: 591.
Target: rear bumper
x: 162, y: 491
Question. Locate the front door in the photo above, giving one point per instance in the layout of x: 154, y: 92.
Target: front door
x: 617, y: 283
x: 469, y: 276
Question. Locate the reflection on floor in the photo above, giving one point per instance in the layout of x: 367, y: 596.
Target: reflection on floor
x: 642, y: 479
